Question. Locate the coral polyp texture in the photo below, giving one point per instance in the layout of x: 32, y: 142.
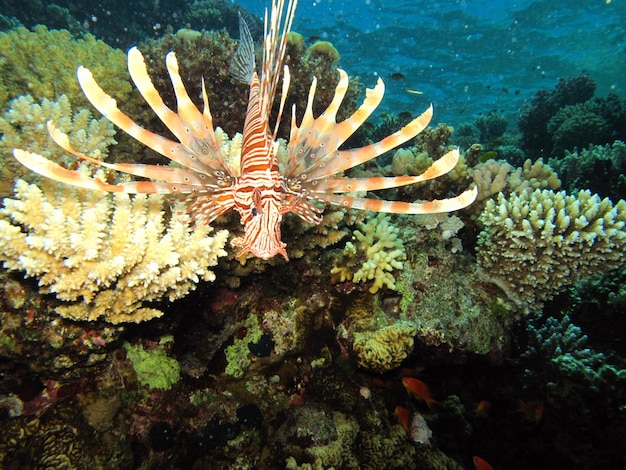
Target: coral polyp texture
x: 384, y: 349
x: 104, y: 255
x: 536, y: 242
x: 378, y: 248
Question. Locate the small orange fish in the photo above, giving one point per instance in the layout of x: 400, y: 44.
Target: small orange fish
x: 379, y: 382
x: 481, y: 464
x: 483, y: 409
x: 419, y: 390
x: 532, y: 410
x: 403, y: 416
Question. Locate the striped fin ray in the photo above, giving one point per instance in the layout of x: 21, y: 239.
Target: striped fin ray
x: 49, y: 169
x: 175, y: 151
x: 346, y: 185
x: 345, y: 159
x: 316, y: 141
x: 167, y: 174
x: 274, y: 46
x: 399, y: 207
x: 242, y: 64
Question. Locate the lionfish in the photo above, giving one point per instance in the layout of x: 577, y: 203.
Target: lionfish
x: 258, y: 190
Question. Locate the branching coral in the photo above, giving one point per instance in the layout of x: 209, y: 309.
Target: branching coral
x: 565, y: 350
x: 380, y: 251
x: 601, y: 169
x: 534, y: 118
x: 24, y: 126
x: 536, y: 242
x: 105, y: 254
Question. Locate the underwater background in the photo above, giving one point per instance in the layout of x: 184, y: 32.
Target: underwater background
x: 489, y: 337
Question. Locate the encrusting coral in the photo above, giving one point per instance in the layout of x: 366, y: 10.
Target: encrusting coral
x: 384, y: 349
x: 105, y: 254
x: 536, y: 242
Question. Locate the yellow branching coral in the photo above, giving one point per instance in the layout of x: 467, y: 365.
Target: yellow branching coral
x: 386, y: 348
x: 535, y: 242
x: 105, y: 254
x: 382, y: 249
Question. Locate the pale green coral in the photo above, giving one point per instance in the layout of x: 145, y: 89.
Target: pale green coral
x: 536, y: 242
x: 379, y: 249
x: 153, y: 367
x: 106, y: 254
x: 43, y: 63
x: 238, y: 353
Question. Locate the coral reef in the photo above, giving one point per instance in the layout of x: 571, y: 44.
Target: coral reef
x: 378, y: 253
x: 598, y: 168
x: 24, y: 126
x: 536, y: 242
x: 569, y: 116
x: 566, y: 351
x: 596, y: 121
x: 43, y: 63
x: 533, y: 119
x: 109, y: 253
x: 154, y: 368
x: 386, y: 348
x: 237, y: 354
x: 490, y: 126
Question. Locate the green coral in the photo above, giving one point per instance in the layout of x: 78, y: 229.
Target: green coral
x: 43, y: 63
x: 154, y: 368
x: 599, y: 168
x: 238, y: 353
x: 536, y: 242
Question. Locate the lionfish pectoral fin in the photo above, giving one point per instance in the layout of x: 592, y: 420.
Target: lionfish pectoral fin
x: 347, y: 185
x: 242, y: 63
x: 167, y: 174
x: 345, y: 159
x: 49, y: 169
x: 399, y: 207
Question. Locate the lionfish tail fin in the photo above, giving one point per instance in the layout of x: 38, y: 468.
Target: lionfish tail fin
x: 242, y: 64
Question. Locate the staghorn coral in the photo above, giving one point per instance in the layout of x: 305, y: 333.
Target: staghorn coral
x: 380, y: 251
x: 104, y: 254
x: 565, y: 351
x: 536, y: 242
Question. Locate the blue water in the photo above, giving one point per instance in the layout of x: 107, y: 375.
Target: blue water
x: 470, y: 57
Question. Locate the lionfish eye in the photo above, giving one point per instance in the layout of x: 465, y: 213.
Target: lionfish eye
x: 254, y: 212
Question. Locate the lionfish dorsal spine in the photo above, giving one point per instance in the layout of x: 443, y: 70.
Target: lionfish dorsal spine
x: 242, y: 64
